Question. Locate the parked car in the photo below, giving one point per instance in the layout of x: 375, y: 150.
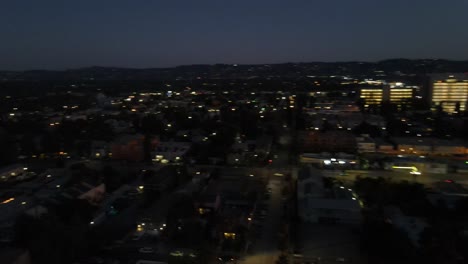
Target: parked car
x: 146, y: 250
x: 227, y: 259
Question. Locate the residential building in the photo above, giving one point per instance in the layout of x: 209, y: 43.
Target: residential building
x: 330, y: 141
x: 130, y: 147
x: 319, y: 204
x: 170, y: 151
x: 365, y: 144
x: 429, y: 146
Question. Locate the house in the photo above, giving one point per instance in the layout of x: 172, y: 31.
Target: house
x: 170, y: 151
x: 99, y: 149
x: 383, y: 146
x: 320, y: 204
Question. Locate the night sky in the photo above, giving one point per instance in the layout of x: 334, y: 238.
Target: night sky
x: 59, y: 34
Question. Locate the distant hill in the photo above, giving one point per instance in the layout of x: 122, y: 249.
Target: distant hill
x: 228, y: 71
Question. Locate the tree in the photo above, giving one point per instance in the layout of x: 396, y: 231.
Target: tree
x: 282, y: 259
x: 366, y: 128
x: 50, y: 143
x: 112, y: 178
x: 151, y: 124
x: 27, y: 144
x: 8, y: 151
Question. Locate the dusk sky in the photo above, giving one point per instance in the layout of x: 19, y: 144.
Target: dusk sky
x: 58, y: 34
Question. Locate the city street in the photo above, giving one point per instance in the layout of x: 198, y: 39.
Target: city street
x: 265, y: 249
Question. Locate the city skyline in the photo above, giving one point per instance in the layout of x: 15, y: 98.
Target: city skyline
x: 57, y: 36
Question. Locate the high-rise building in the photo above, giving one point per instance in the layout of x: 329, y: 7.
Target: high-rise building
x: 450, y: 91
x: 396, y: 93
x: 372, y: 96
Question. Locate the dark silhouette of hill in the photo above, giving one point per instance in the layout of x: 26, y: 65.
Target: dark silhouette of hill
x: 228, y: 71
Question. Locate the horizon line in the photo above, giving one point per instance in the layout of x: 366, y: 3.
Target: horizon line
x: 232, y: 64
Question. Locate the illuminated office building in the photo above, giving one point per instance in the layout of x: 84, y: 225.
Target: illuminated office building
x: 396, y: 93
x: 372, y: 96
x: 450, y: 91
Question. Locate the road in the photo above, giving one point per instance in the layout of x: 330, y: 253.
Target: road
x: 426, y: 178
x: 265, y: 250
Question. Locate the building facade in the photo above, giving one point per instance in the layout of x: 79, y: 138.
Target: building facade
x: 449, y: 91
x: 395, y: 93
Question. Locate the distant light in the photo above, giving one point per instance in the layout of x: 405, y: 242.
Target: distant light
x: 91, y: 223
x: 141, y: 187
x: 25, y: 168
x: 169, y: 125
x: 341, y: 187
x: 8, y: 200
x: 23, y: 203
x: 251, y: 175
x: 58, y: 186
x: 353, y: 198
